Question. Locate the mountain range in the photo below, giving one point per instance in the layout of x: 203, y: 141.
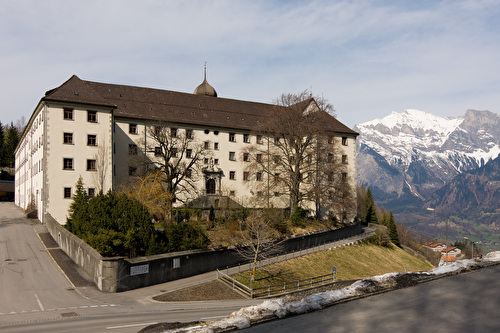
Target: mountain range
x: 415, y: 160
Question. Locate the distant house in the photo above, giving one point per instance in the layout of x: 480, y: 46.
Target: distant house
x: 452, y: 250
x: 437, y: 247
x: 447, y: 259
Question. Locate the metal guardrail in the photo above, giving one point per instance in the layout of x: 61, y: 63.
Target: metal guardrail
x: 276, y: 289
x: 235, y: 284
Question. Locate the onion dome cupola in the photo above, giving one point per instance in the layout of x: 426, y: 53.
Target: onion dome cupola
x: 205, y: 88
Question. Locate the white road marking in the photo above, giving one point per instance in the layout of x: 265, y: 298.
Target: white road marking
x: 39, y: 303
x: 57, y: 309
x: 131, y: 325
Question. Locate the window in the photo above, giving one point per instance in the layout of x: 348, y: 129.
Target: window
x: 173, y: 132
x: 344, y: 159
x: 216, y: 161
x: 207, y: 131
x: 206, y: 144
x: 91, y: 192
x: 246, y: 157
x: 246, y: 175
x: 276, y: 158
x: 258, y: 176
x: 344, y: 141
x: 205, y: 160
x: 132, y: 170
x: 330, y: 176
x: 68, y: 164
x: 232, y: 137
x: 91, y: 140
x: 132, y: 149
x: 259, y: 158
x: 189, y: 133
x: 330, y: 157
x: 246, y: 138
x: 232, y: 193
x: 158, y: 131
x: 344, y: 176
x: 276, y: 177
x: 276, y: 140
x: 67, y: 193
x: 216, y: 145
x: 174, y: 152
x: 276, y: 194
x: 157, y: 151
x: 91, y: 165
x: 260, y: 193
x: 189, y: 153
x: 259, y: 139
x: 68, y: 114
x: 189, y: 173
x: 92, y: 116
x: 232, y: 175
x: 232, y: 156
x: 132, y: 128
x: 216, y: 132
x: 68, y: 138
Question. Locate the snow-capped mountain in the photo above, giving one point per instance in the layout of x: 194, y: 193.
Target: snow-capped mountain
x: 412, y: 154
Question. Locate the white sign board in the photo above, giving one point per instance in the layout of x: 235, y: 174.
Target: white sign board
x: 137, y: 270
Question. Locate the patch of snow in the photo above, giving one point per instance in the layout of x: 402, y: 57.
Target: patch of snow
x: 286, y: 306
x: 492, y: 256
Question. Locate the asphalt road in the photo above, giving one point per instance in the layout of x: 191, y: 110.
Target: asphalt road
x: 29, y: 280
x: 37, y: 296
x: 468, y: 302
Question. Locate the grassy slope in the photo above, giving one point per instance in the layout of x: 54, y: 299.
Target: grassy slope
x: 352, y: 262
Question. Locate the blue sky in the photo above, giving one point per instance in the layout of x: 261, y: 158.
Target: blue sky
x: 368, y: 58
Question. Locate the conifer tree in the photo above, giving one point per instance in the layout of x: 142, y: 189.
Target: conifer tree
x: 370, y: 212
x: 78, y: 210
x: 11, y: 139
x: 1, y: 144
x: 393, y: 231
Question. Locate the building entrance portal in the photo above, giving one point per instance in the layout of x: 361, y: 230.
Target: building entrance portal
x: 210, y: 186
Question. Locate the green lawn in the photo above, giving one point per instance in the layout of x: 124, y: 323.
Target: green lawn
x: 352, y: 262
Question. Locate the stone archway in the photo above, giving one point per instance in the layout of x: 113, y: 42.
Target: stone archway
x: 210, y: 186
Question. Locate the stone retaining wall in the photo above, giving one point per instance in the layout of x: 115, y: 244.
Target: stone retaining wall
x: 121, y: 274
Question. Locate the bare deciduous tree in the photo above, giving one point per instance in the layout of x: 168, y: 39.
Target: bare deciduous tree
x: 170, y: 166
x: 101, y: 161
x: 298, y: 154
x: 258, y: 240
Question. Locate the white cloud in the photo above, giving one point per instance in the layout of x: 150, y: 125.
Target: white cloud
x: 367, y: 57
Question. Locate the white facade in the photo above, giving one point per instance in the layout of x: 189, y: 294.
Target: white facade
x: 56, y: 150
x: 73, y: 133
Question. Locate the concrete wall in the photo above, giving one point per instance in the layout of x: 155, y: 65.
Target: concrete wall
x: 103, y: 271
x: 146, y: 271
x: 120, y: 274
